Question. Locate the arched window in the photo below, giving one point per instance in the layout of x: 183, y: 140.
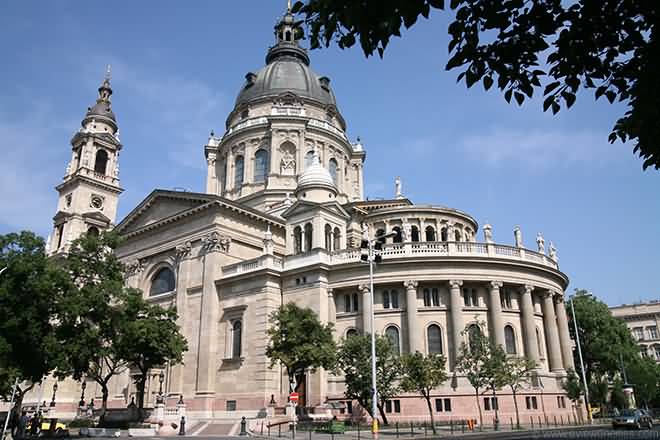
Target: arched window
x: 457, y: 235
x: 539, y: 342
x: 336, y: 235
x: 308, y: 158
x: 386, y: 299
x: 332, y: 167
x: 509, y: 340
x: 380, y: 233
x: 93, y: 231
x: 394, y: 298
x: 474, y: 334
x: 351, y: 332
x: 162, y: 282
x: 101, y: 162
x: 308, y: 237
x: 260, y: 165
x: 443, y: 234
x: 328, y: 237
x: 392, y: 334
x: 414, y: 233
x: 237, y: 330
x: 238, y: 171
x: 297, y: 240
x: 430, y: 233
x: 397, y: 238
x: 434, y: 339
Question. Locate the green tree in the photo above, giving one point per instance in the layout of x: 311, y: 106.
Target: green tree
x: 617, y: 398
x: 31, y: 288
x: 354, y: 361
x: 94, y: 318
x: 481, y: 362
x: 598, y: 392
x: 517, y: 374
x: 603, y: 338
x: 610, y: 46
x: 150, y: 337
x: 573, y: 386
x: 421, y: 374
x: 299, y: 340
x: 644, y: 375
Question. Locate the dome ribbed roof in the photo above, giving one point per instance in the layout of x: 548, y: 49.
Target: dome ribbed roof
x: 315, y: 175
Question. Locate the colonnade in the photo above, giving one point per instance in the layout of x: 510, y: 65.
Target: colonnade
x: 555, y: 322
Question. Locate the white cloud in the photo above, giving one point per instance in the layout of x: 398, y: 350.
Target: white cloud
x: 534, y: 148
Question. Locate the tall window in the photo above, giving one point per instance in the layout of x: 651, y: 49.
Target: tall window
x: 474, y: 333
x: 332, y: 167
x: 434, y: 338
x: 308, y: 158
x: 101, y: 162
x: 308, y: 237
x: 260, y: 165
x: 390, y: 299
x: 297, y: 240
x: 347, y: 303
x: 431, y: 297
x: 355, y: 302
x: 237, y: 330
x: 443, y: 234
x: 392, y: 334
x: 506, y: 298
x: 162, y: 282
x: 653, y: 332
x: 351, y: 332
x: 328, y: 237
x: 398, y: 237
x: 414, y: 233
x: 509, y: 340
x: 457, y: 235
x: 430, y: 233
x: 238, y: 171
x: 336, y: 236
x: 539, y: 342
x: 386, y: 299
x: 470, y: 297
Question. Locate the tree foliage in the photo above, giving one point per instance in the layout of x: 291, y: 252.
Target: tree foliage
x: 609, y: 46
x: 299, y: 340
x: 573, y: 386
x: 516, y: 374
x: 644, y: 375
x: 421, y: 374
x: 30, y: 292
x: 603, y: 338
x: 354, y: 361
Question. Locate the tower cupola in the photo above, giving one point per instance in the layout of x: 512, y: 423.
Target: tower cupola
x: 102, y: 111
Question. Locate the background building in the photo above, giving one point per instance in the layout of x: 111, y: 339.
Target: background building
x: 280, y: 221
x: 643, y: 321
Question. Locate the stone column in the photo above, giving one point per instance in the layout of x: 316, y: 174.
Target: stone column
x: 332, y: 307
x: 551, y: 333
x: 211, y: 178
x: 495, y: 313
x: 414, y: 336
x: 456, y: 308
x: 564, y: 335
x: 366, y: 308
x: 529, y: 328
x: 182, y: 252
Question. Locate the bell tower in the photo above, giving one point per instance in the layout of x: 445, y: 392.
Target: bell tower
x: 89, y: 192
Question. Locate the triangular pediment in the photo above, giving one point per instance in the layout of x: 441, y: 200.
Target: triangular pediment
x: 97, y: 216
x: 303, y: 207
x: 160, y: 205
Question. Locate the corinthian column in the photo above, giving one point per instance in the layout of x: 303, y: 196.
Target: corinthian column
x: 564, y: 337
x: 529, y: 329
x: 366, y: 308
x: 495, y: 313
x: 551, y: 332
x: 456, y: 307
x: 411, y: 315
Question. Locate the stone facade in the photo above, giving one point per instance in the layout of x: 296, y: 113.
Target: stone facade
x: 643, y: 320
x: 281, y: 221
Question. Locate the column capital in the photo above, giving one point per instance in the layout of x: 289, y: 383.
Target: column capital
x: 410, y: 284
x: 559, y: 298
x: 496, y: 284
x: 455, y: 284
x: 214, y: 242
x: 330, y: 292
x: 526, y: 289
x: 364, y: 288
x: 547, y: 293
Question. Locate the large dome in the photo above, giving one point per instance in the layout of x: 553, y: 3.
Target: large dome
x: 287, y: 70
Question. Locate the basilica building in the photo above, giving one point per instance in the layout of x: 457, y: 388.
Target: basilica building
x: 281, y: 221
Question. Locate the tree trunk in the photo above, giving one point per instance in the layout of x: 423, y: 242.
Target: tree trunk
x: 515, y: 404
x: 428, y: 403
x: 141, y: 384
x: 481, y: 417
x: 381, y: 410
x: 104, y: 400
x: 366, y: 406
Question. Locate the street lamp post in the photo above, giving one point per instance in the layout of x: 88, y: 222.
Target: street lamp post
x: 584, y: 376
x: 52, y: 401
x: 161, y: 378
x: 371, y: 257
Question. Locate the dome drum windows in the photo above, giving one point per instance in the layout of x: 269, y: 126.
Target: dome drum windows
x: 434, y: 339
x: 333, y: 168
x: 239, y: 168
x: 390, y: 299
x: 350, y: 302
x: 431, y: 297
x: 430, y: 233
x: 470, y: 297
x: 260, y: 166
x: 162, y: 282
x: 510, y: 340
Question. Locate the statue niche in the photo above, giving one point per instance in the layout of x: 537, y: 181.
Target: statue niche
x: 288, y: 161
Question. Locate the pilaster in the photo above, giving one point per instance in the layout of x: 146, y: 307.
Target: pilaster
x: 495, y: 313
x: 457, y: 325
x: 414, y: 336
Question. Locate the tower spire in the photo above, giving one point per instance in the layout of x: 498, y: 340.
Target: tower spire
x: 288, y: 6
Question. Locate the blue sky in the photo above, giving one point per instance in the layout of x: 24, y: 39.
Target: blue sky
x: 177, y: 68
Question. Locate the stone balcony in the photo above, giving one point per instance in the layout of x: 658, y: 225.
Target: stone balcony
x: 392, y: 251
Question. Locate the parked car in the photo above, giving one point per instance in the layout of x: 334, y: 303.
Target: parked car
x: 633, y: 418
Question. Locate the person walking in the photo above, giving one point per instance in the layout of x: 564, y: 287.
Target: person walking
x: 22, y: 426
